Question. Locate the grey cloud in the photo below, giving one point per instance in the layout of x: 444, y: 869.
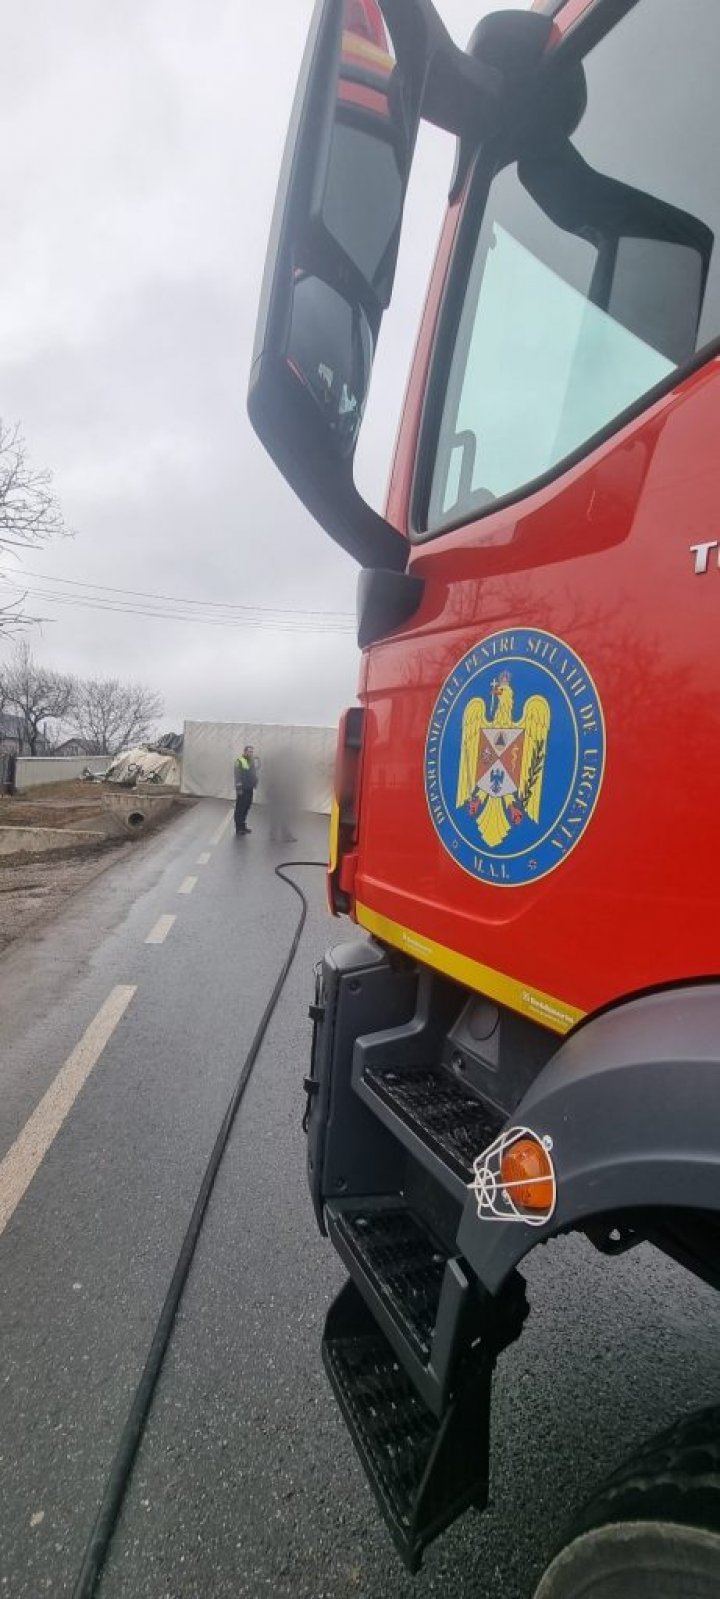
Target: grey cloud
x: 139, y: 149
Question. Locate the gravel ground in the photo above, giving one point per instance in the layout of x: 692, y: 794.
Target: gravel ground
x: 32, y: 889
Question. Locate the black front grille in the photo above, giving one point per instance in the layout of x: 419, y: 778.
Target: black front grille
x: 440, y: 1110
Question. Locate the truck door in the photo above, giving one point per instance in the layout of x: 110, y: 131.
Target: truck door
x: 539, y: 749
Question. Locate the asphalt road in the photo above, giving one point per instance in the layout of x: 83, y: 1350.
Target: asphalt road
x: 246, y: 1483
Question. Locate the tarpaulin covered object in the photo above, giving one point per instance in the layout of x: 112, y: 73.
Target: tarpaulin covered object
x: 210, y: 750
x: 143, y: 765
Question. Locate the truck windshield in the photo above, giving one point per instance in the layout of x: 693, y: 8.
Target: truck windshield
x: 594, y: 274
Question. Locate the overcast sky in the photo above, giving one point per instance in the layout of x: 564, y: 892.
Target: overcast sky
x: 140, y: 142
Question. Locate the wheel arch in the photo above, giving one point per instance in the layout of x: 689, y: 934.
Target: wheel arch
x: 631, y: 1103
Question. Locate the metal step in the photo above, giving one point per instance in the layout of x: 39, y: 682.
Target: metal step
x: 402, y: 1260
x: 439, y: 1110
x: 423, y: 1471
x: 419, y: 1295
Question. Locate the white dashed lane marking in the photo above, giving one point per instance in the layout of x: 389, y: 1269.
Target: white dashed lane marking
x: 21, y: 1162
x: 203, y: 859
x: 187, y: 885
x: 160, y: 930
x: 225, y: 823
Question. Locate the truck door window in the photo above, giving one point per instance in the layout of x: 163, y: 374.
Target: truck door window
x: 594, y: 275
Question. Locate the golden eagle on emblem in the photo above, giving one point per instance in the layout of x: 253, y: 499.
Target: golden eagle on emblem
x: 502, y: 761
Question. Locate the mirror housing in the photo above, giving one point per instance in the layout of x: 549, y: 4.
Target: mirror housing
x: 371, y: 70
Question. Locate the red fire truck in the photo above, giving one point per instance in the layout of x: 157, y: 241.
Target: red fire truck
x: 525, y: 1039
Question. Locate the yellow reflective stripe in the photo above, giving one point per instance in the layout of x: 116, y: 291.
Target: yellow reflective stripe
x: 334, y: 838
x: 544, y: 1008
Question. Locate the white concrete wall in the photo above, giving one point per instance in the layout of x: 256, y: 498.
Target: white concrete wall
x: 210, y: 748
x: 33, y: 770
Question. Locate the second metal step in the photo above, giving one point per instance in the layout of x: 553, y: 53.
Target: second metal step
x: 403, y: 1261
x: 416, y: 1290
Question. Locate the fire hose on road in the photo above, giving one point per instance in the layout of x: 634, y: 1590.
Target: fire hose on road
x: 121, y: 1469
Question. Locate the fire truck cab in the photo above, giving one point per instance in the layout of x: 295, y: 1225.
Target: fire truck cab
x: 523, y: 1037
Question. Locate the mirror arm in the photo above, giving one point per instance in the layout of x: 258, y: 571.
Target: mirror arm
x: 455, y: 90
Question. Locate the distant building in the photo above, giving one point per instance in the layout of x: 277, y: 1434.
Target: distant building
x: 76, y: 746
x: 12, y: 735
x: 13, y: 740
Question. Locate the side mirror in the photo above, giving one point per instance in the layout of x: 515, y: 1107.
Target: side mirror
x: 372, y: 68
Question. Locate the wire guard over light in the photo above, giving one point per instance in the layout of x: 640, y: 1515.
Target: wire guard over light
x: 515, y: 1179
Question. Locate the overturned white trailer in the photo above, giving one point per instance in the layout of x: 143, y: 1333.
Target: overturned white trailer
x: 210, y: 749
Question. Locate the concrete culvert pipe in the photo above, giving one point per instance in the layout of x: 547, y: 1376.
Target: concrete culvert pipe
x: 136, y: 820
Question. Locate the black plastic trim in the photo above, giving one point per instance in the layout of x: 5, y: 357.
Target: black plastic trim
x: 347, y: 1152
x: 385, y: 600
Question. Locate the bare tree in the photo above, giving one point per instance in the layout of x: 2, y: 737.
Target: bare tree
x: 29, y: 512
x: 29, y: 509
x: 111, y: 715
x: 13, y: 617
x: 36, y: 693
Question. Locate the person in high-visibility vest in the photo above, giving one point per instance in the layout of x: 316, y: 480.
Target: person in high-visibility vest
x: 245, y: 784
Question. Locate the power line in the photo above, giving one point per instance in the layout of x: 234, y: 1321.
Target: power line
x: 238, y: 623
x: 175, y: 599
x: 286, y: 622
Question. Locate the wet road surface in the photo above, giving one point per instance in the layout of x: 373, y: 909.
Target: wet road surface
x: 246, y: 1483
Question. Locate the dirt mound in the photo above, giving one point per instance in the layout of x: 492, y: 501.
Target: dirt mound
x: 61, y: 813
x: 75, y: 805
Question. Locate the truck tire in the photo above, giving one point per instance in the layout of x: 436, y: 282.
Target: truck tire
x: 653, y: 1530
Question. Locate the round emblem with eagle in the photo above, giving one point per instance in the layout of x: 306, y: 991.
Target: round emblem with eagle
x: 515, y: 756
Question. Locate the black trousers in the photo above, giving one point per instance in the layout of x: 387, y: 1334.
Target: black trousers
x: 243, y: 801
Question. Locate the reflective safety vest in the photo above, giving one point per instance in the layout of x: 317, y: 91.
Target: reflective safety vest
x: 245, y: 773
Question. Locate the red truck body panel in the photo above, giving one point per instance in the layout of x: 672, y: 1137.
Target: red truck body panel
x: 599, y: 558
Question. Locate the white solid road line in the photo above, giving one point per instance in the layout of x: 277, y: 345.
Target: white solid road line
x: 160, y: 930
x: 225, y: 823
x: 187, y: 885
x: 21, y: 1162
x: 203, y: 859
